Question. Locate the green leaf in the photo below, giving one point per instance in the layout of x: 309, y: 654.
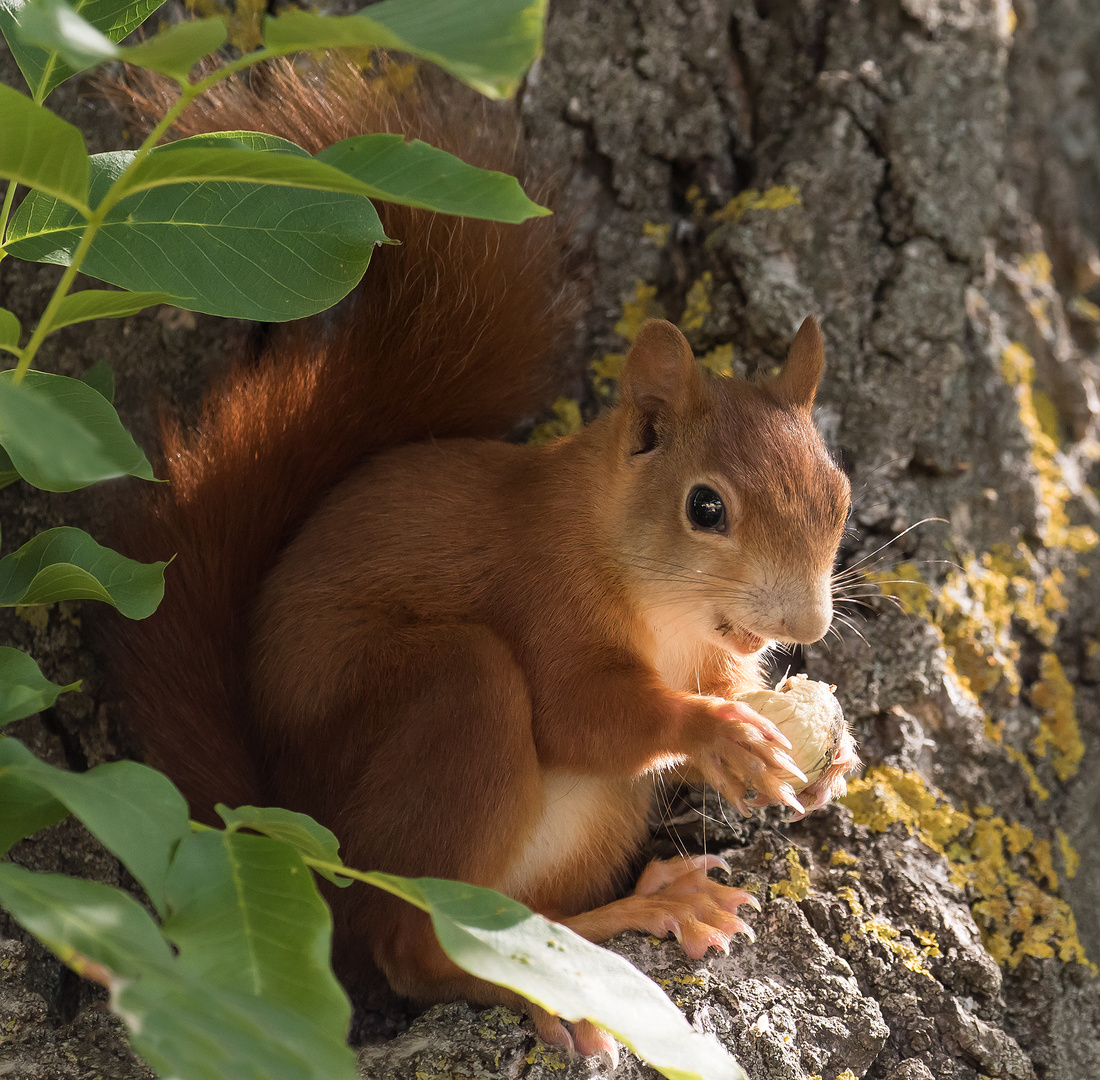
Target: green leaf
x: 249, y: 251
x: 134, y: 811
x: 67, y: 564
x: 304, y: 834
x: 62, y: 435
x: 25, y: 807
x: 54, y: 26
x: 42, y: 151
x: 91, y: 304
x: 500, y: 940
x: 246, y: 916
x: 101, y: 378
x: 24, y: 690
x: 85, y: 918
x: 488, y: 44
x: 43, y: 68
x: 186, y: 1028
x: 10, y: 330
x: 176, y: 50
x: 8, y: 472
x: 416, y: 174
x: 177, y: 163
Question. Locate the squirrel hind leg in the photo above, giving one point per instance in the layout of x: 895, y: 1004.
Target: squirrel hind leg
x: 417, y: 968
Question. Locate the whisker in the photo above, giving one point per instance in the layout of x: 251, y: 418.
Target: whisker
x: 904, y: 532
x: 851, y: 626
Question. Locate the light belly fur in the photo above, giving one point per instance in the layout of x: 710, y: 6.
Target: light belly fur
x: 580, y: 815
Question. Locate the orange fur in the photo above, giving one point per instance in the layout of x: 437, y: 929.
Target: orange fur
x: 466, y: 657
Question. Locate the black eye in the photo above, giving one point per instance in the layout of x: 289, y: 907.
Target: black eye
x: 705, y: 508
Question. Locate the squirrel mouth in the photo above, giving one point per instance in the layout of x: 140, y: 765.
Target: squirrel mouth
x: 741, y: 640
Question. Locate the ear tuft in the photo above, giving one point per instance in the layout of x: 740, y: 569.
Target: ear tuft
x: 796, y: 384
x: 660, y: 377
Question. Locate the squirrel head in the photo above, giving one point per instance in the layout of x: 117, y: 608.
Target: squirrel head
x: 732, y: 507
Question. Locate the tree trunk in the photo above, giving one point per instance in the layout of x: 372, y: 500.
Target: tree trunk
x: 925, y: 176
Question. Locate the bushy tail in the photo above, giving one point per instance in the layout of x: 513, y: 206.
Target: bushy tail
x: 450, y: 334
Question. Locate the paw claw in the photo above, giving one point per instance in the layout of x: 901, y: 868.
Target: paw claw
x: 592, y: 1041
x: 787, y: 797
x: 785, y: 761
x: 740, y: 897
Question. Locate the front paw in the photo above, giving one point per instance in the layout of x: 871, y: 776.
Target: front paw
x: 831, y: 784
x: 740, y: 751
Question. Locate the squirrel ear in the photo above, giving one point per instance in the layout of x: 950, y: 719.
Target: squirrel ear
x: 796, y: 383
x: 660, y: 377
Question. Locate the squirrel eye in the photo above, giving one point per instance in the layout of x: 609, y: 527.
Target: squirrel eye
x: 705, y: 508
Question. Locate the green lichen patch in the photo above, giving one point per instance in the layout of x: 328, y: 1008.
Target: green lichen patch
x: 1006, y: 871
x: 842, y: 858
x: 797, y: 884
x: 778, y: 197
x: 1059, y: 732
x: 1071, y: 860
x: 886, y: 795
x: 1055, y: 530
x: 719, y: 361
x: 658, y: 233
x: 566, y: 421
x: 975, y: 609
x: 976, y: 612
x: 697, y: 303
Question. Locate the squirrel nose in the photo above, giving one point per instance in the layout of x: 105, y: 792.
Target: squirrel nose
x: 808, y: 619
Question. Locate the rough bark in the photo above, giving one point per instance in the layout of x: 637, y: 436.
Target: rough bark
x: 946, y: 161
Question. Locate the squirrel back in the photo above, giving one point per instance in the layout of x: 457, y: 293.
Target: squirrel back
x: 449, y: 334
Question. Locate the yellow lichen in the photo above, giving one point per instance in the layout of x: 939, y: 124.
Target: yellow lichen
x: 38, y: 615
x: 1018, y: 369
x: 886, y: 795
x: 695, y: 199
x: 605, y: 372
x: 1017, y: 916
x: 976, y: 606
x: 690, y: 980
x: 1037, y: 267
x: 697, y: 303
x: 244, y: 19
x: 657, y: 233
x: 719, y: 361
x: 974, y: 612
x: 1043, y: 867
x: 929, y: 945
x: 567, y: 420
x: 1085, y: 309
x: 851, y: 897
x: 907, y: 586
x: 543, y: 1055
x: 797, y: 885
x: 1047, y: 414
x: 1037, y: 788
x: 1053, y: 695
x: 1070, y: 859
x: 843, y: 858
x: 636, y: 310
x: 890, y: 936
x: 773, y: 198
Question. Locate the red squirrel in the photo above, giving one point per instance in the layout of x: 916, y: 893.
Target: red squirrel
x: 470, y: 658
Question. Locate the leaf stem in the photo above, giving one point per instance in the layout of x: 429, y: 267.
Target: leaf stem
x: 377, y: 880
x: 120, y: 189
x: 5, y: 213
